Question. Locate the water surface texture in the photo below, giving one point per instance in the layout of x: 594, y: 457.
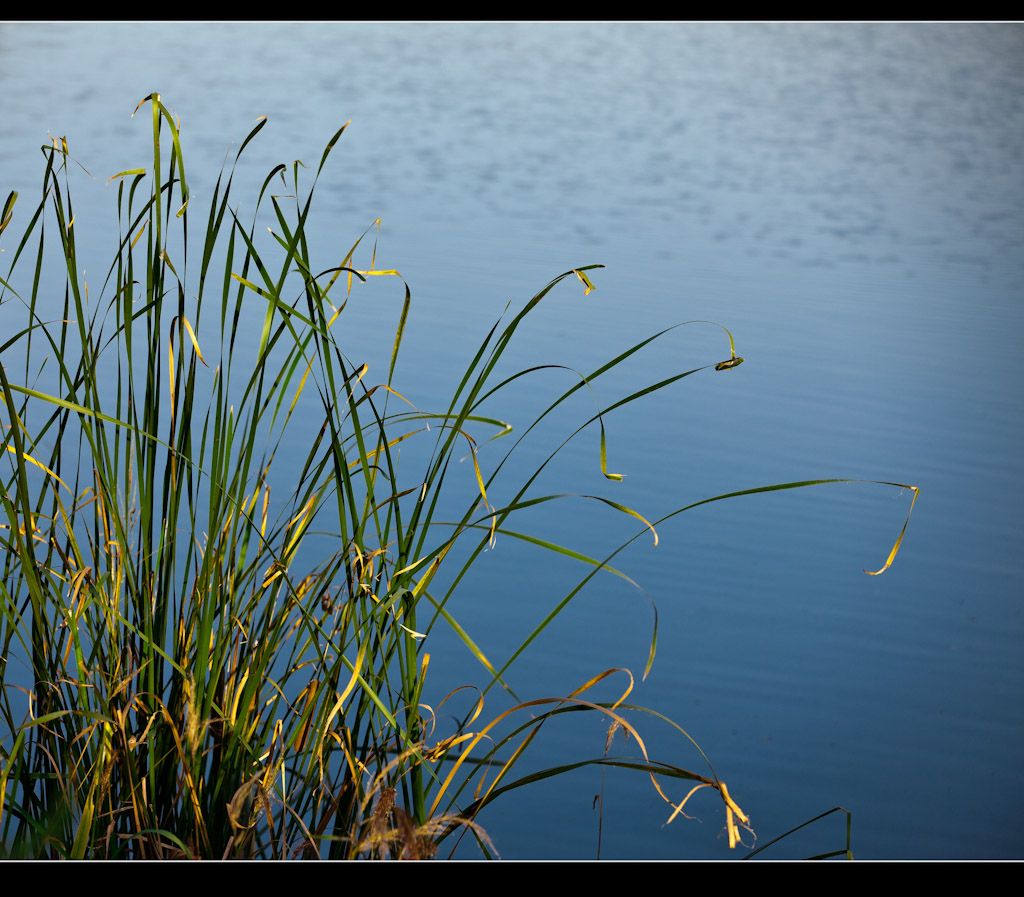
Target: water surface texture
x: 846, y: 198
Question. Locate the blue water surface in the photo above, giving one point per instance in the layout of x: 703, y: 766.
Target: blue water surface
x: 846, y: 198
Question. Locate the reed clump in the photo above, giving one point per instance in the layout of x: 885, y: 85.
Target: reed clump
x: 187, y: 672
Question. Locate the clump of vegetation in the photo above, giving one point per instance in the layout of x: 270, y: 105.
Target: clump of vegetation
x: 180, y: 679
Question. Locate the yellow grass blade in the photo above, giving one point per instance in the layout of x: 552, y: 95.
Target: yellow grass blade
x: 896, y: 547
x: 42, y: 467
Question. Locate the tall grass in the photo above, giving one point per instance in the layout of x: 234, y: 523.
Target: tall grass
x: 180, y: 678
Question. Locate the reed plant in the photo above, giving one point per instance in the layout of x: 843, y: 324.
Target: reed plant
x: 190, y: 667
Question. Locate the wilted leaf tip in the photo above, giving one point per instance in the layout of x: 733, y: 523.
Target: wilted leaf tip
x: 733, y: 362
x: 892, y: 554
x: 585, y: 281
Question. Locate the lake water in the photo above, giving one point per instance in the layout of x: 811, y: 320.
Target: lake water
x: 848, y: 199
